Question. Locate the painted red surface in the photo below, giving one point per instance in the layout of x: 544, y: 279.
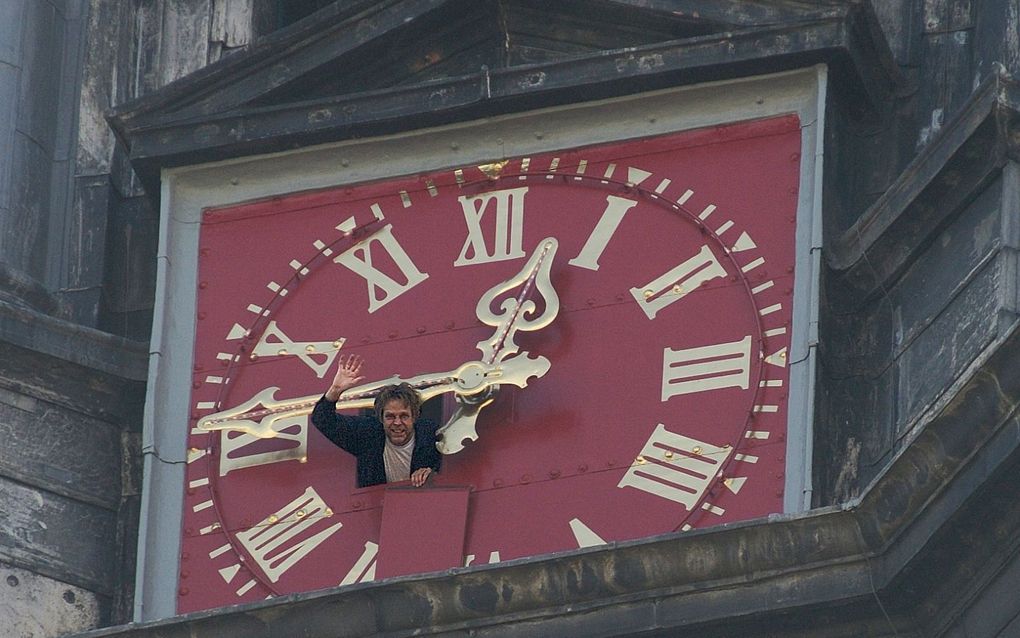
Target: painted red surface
x: 422, y: 530
x: 551, y: 457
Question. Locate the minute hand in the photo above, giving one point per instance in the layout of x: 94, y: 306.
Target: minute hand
x: 263, y: 416
x: 516, y: 313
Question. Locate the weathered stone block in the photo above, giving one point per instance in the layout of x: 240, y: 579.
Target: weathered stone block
x: 54, y: 449
x: 59, y: 537
x: 41, y: 59
x: 34, y: 606
x: 948, y: 345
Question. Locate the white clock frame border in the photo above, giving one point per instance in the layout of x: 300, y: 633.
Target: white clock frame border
x: 188, y: 190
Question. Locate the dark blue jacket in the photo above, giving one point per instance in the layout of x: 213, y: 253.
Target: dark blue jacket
x: 364, y: 437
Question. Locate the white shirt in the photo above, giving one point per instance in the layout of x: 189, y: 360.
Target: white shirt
x: 397, y: 459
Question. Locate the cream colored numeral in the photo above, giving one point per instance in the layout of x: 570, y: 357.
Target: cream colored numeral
x: 363, y: 570
x: 678, y: 282
x: 359, y: 260
x: 675, y: 467
x: 290, y: 442
x: 616, y: 208
x: 493, y: 558
x: 281, y: 539
x: 276, y: 343
x: 507, y: 230
x: 584, y: 535
x: 723, y: 365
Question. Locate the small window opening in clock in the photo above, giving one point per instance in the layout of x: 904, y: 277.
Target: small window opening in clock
x: 438, y: 409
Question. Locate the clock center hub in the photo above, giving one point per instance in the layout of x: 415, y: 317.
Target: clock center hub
x: 471, y: 378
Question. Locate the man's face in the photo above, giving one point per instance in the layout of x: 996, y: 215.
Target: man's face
x: 397, y: 422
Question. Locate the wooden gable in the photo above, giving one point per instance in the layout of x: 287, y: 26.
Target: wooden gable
x: 367, y: 67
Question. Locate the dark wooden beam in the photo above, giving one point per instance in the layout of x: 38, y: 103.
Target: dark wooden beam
x: 737, y: 14
x: 159, y: 139
x: 969, y: 152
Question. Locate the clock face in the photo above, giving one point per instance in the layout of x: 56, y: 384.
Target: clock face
x: 663, y: 406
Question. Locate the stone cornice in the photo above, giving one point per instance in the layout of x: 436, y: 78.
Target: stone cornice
x: 838, y: 567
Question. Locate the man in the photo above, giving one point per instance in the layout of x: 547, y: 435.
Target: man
x: 389, y: 447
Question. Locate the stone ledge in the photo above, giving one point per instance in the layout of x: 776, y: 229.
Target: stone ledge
x: 839, y: 567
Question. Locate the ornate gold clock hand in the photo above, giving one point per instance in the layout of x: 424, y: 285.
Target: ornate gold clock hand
x: 515, y: 312
x: 499, y: 351
x: 469, y: 379
x: 261, y: 421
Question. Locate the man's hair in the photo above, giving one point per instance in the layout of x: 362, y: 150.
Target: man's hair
x: 400, y: 392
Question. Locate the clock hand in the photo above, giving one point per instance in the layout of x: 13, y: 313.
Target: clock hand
x: 468, y: 379
x: 500, y: 351
x: 259, y: 422
x: 515, y: 312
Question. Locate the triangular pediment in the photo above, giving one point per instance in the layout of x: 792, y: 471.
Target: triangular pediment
x: 371, y: 66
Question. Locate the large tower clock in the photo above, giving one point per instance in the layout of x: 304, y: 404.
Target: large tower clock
x: 610, y: 323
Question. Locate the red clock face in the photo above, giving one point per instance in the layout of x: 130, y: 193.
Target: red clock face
x: 663, y: 405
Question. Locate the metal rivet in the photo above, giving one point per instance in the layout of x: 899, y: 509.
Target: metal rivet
x: 273, y: 518
x: 696, y: 449
x: 309, y: 348
x: 648, y: 294
x: 253, y: 356
x: 328, y: 512
x: 668, y: 454
x: 337, y: 344
x: 300, y: 514
x: 640, y: 460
